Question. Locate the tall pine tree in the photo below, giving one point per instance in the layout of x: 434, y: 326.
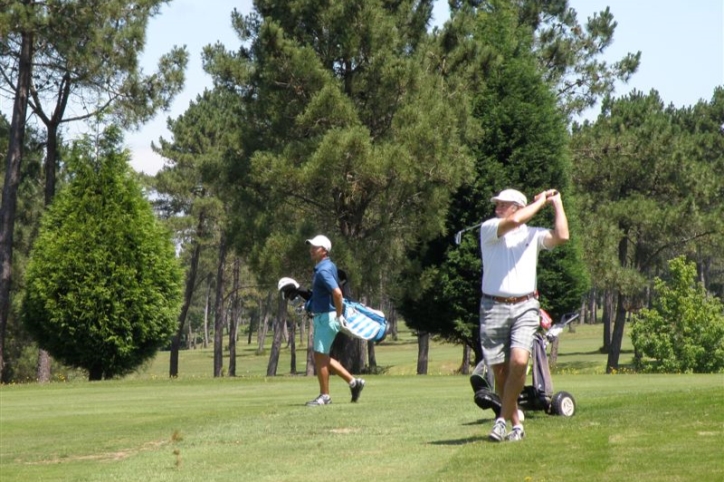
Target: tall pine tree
x: 347, y: 132
x: 523, y: 146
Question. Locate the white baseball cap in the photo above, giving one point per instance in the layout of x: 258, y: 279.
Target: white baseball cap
x: 511, y: 196
x: 321, y: 241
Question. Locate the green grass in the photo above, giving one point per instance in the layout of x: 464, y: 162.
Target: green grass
x: 578, y: 354
x: 405, y: 428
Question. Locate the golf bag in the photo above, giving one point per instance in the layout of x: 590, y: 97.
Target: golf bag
x: 361, y: 321
x: 364, y: 322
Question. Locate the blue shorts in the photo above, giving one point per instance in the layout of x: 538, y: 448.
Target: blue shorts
x: 505, y: 326
x: 326, y: 328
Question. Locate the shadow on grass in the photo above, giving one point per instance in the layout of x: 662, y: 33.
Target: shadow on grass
x: 574, y: 366
x: 594, y: 352
x: 481, y: 421
x: 460, y: 441
x: 398, y: 342
x: 376, y: 370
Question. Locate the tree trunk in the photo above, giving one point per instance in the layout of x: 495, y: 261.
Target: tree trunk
x: 95, y: 374
x: 702, y: 270
x: 188, y: 293
x: 617, y: 338
x: 371, y: 357
x: 349, y: 352
x: 10, y: 188
x: 206, y: 311
x: 593, y: 308
x: 293, y: 346
x: 264, y: 310
x: 302, y: 329
x: 253, y: 325
x: 219, y: 309
x: 391, y: 322
x: 465, y: 365
x: 423, y: 350
x: 608, y: 310
x: 310, y: 347
x: 50, y: 167
x: 553, y: 358
x: 190, y: 338
x: 234, y: 323
x: 52, y: 124
x: 281, y: 319
x: 43, y: 367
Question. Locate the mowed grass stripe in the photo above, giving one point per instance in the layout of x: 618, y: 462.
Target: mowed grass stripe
x: 406, y: 427
x: 633, y: 427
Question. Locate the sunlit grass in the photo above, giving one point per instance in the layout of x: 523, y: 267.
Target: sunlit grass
x: 405, y: 427
x: 578, y: 353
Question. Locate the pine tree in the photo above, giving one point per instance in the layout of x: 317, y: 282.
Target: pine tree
x: 19, y: 19
x: 647, y: 196
x: 346, y: 131
x: 523, y: 146
x: 189, y: 189
x: 30, y: 207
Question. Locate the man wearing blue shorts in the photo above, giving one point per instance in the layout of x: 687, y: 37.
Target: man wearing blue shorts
x: 509, y: 308
x: 327, y: 305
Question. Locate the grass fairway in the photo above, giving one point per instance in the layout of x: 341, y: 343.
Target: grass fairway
x: 405, y: 428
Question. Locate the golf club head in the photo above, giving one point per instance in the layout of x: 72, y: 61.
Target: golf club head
x: 286, y: 286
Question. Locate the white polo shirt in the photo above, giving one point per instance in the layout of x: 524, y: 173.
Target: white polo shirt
x: 510, y: 263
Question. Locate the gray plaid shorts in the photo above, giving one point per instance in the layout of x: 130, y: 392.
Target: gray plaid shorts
x: 504, y: 326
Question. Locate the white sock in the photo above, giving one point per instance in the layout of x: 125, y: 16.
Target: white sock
x: 353, y: 383
x: 500, y: 419
x: 518, y: 427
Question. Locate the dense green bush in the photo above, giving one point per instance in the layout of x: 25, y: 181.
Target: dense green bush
x: 684, y: 330
x: 103, y: 283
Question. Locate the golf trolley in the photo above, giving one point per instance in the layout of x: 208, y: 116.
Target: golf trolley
x: 539, y: 395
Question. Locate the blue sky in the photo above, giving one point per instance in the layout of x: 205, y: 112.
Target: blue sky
x: 681, y: 41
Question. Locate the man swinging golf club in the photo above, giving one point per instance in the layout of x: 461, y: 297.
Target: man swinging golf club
x: 509, y: 308
x: 327, y: 305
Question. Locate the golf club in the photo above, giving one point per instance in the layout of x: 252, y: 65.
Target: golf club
x: 459, y: 234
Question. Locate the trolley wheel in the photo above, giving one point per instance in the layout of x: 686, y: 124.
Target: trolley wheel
x: 563, y: 404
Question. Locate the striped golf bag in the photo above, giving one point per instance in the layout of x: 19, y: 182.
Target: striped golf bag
x: 364, y: 322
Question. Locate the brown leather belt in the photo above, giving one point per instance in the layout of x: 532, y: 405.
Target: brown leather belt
x: 511, y: 300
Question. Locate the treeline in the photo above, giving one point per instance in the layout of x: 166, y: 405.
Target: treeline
x: 353, y: 119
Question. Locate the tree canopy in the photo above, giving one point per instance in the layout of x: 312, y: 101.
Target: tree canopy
x: 346, y: 130
x: 79, y: 56
x: 103, y: 282
x: 684, y: 329
x: 523, y: 145
x: 356, y: 120
x: 648, y: 193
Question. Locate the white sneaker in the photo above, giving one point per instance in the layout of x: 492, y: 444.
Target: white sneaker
x: 498, y: 432
x: 320, y: 400
x: 515, y: 435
